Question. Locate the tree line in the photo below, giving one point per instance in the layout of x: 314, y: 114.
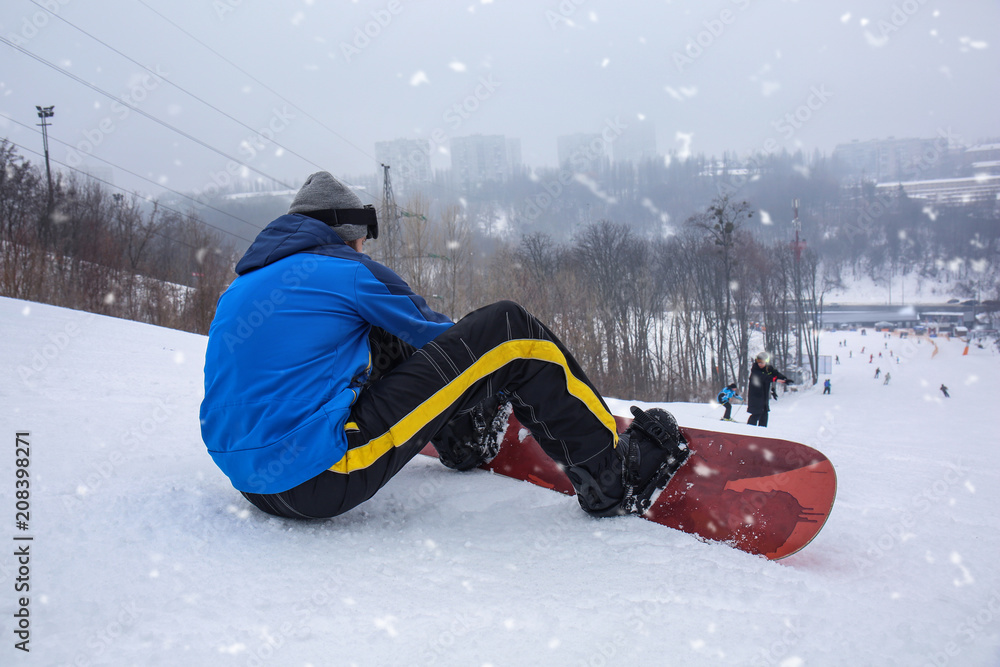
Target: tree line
x: 84, y: 247
x: 652, y: 311
x: 857, y: 228
x: 649, y: 318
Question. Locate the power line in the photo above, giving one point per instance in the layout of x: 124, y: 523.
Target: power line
x: 168, y: 81
x: 184, y: 134
x: 140, y: 111
x: 269, y: 89
x: 266, y: 87
x: 148, y: 180
x: 259, y: 82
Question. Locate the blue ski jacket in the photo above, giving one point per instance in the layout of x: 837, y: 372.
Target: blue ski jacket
x: 288, y: 352
x: 727, y: 394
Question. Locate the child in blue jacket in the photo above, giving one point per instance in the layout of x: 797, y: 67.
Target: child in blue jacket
x: 726, y: 395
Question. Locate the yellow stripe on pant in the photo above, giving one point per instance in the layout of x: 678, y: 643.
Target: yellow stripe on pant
x: 401, y: 432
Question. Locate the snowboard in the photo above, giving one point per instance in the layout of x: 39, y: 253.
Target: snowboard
x: 764, y: 496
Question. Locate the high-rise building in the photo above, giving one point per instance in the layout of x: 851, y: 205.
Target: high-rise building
x: 581, y: 152
x: 409, y: 160
x: 514, y: 155
x: 479, y: 158
x: 889, y: 159
x: 636, y: 143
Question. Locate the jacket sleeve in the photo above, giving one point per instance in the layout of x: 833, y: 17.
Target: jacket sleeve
x: 385, y: 300
x: 776, y: 375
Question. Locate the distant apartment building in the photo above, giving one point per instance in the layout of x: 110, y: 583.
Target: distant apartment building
x: 514, y: 155
x: 948, y: 191
x: 478, y: 159
x: 890, y: 159
x: 637, y: 142
x: 409, y: 161
x: 582, y: 152
x: 983, y: 159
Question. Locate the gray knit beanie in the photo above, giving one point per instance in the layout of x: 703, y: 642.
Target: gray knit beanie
x: 323, y: 192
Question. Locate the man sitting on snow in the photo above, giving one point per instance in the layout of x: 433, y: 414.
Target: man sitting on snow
x: 325, y: 374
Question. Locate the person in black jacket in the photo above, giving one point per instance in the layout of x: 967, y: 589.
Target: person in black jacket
x: 763, y: 377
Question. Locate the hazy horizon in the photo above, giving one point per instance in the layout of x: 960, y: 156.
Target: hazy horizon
x: 328, y: 82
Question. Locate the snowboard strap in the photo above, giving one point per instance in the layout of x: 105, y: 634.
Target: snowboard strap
x: 654, y: 429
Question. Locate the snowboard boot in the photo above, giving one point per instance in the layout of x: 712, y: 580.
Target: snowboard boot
x: 474, y: 438
x: 652, y: 449
x: 649, y: 452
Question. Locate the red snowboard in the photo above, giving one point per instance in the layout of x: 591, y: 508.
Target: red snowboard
x: 760, y: 495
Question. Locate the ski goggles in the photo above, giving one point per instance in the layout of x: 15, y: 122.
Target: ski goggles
x: 336, y: 217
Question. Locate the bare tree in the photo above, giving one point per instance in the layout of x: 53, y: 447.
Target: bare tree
x: 418, y: 243
x: 22, y: 203
x: 458, y: 273
x: 721, y: 223
x: 689, y: 337
x: 775, y: 280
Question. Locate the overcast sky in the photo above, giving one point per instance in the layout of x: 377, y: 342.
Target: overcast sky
x: 332, y: 78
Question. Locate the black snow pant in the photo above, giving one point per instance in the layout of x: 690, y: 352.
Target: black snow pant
x: 413, y: 394
x: 758, y: 419
x: 729, y: 410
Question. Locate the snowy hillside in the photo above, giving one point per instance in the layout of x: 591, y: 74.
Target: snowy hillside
x: 909, y: 288
x: 144, y: 554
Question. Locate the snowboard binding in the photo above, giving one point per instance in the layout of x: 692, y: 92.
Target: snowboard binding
x: 474, y: 438
x: 652, y: 449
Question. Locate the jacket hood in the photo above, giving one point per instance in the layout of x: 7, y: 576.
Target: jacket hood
x: 286, y: 236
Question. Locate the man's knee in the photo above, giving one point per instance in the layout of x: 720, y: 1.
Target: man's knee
x: 505, y: 307
x: 500, y: 311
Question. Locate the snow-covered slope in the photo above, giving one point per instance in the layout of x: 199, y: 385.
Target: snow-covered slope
x: 144, y: 554
x: 909, y: 288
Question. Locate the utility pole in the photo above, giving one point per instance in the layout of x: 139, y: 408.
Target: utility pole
x: 45, y: 113
x: 797, y: 247
x: 797, y: 225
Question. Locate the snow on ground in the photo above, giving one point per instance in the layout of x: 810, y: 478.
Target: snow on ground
x: 144, y: 554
